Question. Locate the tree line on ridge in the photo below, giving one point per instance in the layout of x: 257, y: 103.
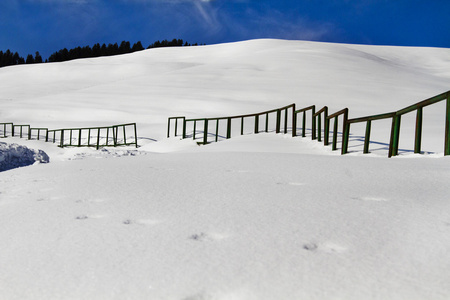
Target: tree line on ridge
x: 9, y: 58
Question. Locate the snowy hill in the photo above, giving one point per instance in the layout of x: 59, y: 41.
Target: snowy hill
x: 255, y: 217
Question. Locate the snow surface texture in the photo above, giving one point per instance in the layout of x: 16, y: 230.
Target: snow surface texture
x: 261, y: 216
x: 14, y: 156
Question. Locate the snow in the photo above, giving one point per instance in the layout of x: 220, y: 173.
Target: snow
x: 262, y: 216
x: 15, y: 156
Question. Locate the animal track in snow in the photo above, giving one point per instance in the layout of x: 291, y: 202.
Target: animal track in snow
x: 147, y: 222
x: 310, y: 247
x: 84, y: 217
x: 199, y: 237
x: 202, y: 237
x: 327, y: 247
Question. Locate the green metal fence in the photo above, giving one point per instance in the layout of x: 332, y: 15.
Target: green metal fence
x: 312, y: 108
x: 4, y: 129
x: 107, y: 136
x: 201, y: 127
x: 321, y: 117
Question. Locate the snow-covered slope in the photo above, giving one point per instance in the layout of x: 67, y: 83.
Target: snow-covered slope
x: 209, y: 81
x: 255, y: 217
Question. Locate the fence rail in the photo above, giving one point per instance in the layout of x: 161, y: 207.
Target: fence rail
x: 316, y: 124
x: 116, y: 135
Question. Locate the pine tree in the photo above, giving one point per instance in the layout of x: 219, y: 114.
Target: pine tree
x: 124, y: 47
x: 30, y: 59
x: 137, y: 47
x: 38, y: 58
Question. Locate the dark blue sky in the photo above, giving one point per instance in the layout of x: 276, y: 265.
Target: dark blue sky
x: 50, y: 25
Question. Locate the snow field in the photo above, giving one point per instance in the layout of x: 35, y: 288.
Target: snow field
x: 219, y: 225
x: 262, y: 216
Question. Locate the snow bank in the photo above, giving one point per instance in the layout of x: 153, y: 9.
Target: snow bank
x: 14, y: 156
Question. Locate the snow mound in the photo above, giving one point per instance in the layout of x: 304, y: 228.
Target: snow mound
x: 15, y: 156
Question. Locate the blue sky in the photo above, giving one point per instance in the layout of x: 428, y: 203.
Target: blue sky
x: 50, y: 25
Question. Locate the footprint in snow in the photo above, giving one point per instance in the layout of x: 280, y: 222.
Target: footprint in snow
x: 147, y: 222
x: 327, y: 247
x: 84, y: 217
x: 310, y: 247
x: 199, y: 237
x: 202, y: 237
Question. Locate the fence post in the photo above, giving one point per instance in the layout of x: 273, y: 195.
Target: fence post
x: 79, y: 137
x: 267, y: 122
x: 98, y: 138
x: 313, y: 123
x: 278, y: 121
x: 367, y: 137
x: 256, y: 124
x: 345, y: 133
x: 327, y: 127
x: 304, y: 124
x: 294, y: 122
x: 418, y: 136
x: 176, y: 126
x: 335, y: 129
x: 217, y: 130
x: 135, y: 134
x: 319, y: 128
x: 242, y: 125
x: 395, y: 135
x: 195, y: 129
x: 447, y: 127
x: 228, y: 128
x: 168, y: 128
x: 62, y: 138
x: 285, y: 120
x: 114, y: 135
x: 184, y: 127
x: 205, y: 132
